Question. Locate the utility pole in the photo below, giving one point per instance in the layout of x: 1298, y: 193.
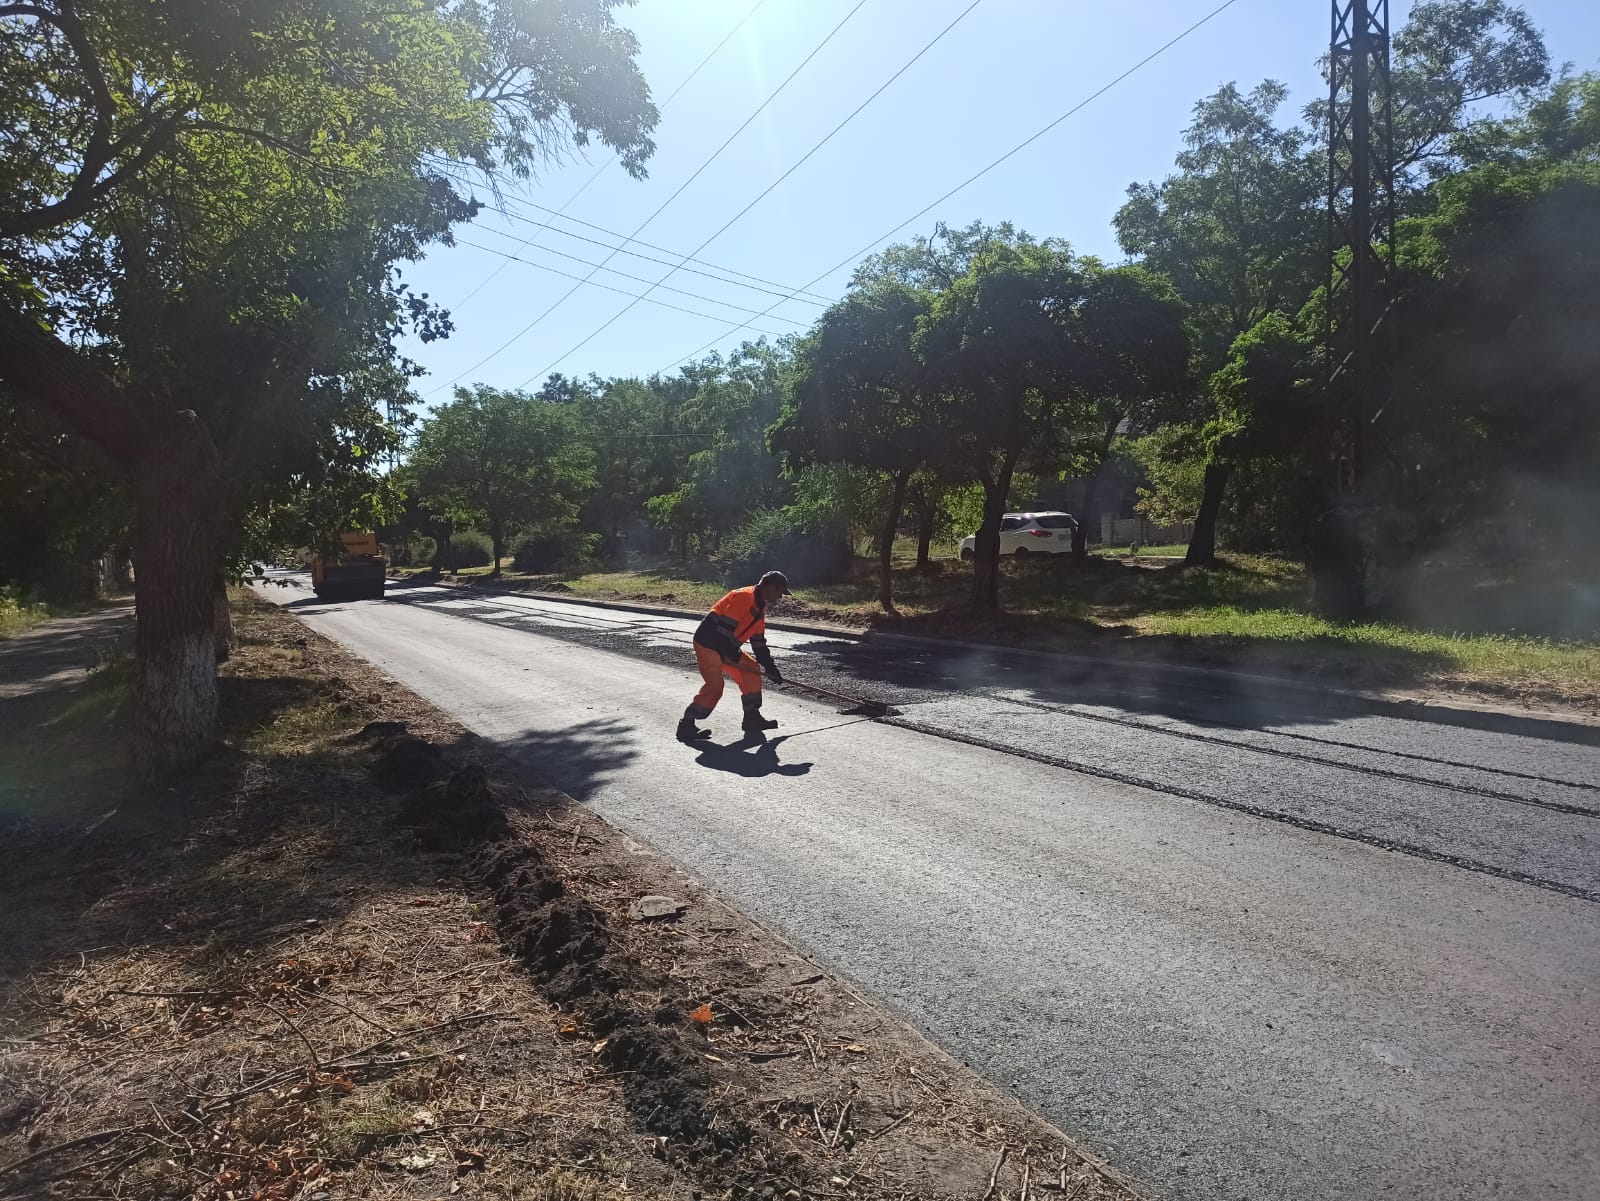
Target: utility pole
x: 1361, y: 255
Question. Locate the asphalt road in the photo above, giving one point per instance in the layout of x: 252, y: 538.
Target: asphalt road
x: 1240, y: 947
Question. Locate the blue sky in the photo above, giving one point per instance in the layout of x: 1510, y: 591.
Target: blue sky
x: 1006, y: 69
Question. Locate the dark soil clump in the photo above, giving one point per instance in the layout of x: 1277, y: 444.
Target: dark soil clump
x: 457, y: 814
x: 406, y: 761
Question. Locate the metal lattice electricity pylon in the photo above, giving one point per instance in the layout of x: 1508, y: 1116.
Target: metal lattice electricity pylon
x: 1361, y: 255
x: 400, y: 420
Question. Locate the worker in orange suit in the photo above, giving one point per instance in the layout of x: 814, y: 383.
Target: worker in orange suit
x: 718, y: 649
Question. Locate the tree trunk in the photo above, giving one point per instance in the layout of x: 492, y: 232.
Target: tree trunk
x: 926, y: 517
x: 986, y: 549
x: 1091, y: 494
x: 444, y: 555
x: 1080, y: 532
x: 223, y: 618
x: 1203, y: 542
x: 175, y: 589
x: 176, y: 478
x: 891, y: 523
x: 497, y: 540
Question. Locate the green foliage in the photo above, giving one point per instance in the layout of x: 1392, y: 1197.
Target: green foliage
x: 858, y: 393
x: 1173, y: 461
x: 503, y: 461
x: 468, y: 548
x: 786, y: 540
x: 1500, y: 368
x: 63, y: 507
x: 569, y: 549
x: 18, y: 611
x: 1240, y: 228
x: 732, y: 474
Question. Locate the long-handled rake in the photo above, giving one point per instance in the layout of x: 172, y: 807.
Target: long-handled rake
x: 853, y: 706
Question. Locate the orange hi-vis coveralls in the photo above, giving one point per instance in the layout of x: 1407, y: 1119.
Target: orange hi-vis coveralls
x: 718, y: 649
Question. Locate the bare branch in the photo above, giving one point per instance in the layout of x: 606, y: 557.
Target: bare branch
x: 89, y: 187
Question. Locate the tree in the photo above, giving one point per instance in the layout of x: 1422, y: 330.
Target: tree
x: 1496, y: 370
x: 626, y: 424
x: 1240, y: 232
x: 1240, y: 228
x: 1135, y: 348
x: 859, y: 396
x: 63, y: 508
x: 504, y: 462
x: 202, y: 209
x: 732, y: 474
x: 1450, y: 58
x: 1001, y: 339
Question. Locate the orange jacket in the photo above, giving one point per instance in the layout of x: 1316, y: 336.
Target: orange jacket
x: 735, y: 619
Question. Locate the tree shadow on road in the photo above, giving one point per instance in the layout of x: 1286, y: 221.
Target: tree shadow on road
x: 577, y: 759
x: 1203, y: 698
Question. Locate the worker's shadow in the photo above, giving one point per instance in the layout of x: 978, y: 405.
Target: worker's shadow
x: 753, y: 756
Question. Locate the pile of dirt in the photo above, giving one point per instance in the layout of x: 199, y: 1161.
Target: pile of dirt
x: 643, y: 1033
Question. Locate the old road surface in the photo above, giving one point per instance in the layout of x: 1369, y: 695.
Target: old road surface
x: 1242, y: 950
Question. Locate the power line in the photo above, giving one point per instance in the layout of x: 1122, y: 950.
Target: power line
x: 765, y: 192
x: 776, y: 289
x: 652, y: 246
x: 971, y: 179
x: 606, y: 166
x: 663, y: 205
x: 511, y: 256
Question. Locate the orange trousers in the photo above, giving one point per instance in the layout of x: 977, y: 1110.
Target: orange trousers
x: 746, y: 673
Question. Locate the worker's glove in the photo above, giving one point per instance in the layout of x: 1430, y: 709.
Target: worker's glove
x: 774, y: 674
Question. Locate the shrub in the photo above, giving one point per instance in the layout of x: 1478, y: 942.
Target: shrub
x: 18, y: 611
x: 411, y: 552
x: 562, y: 550
x: 779, y: 540
x: 468, y: 548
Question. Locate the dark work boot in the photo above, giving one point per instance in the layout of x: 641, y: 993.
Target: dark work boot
x: 687, y: 730
x: 754, y: 723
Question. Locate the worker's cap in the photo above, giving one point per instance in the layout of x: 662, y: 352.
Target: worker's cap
x: 774, y: 577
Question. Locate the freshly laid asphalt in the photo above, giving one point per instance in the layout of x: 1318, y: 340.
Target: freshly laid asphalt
x: 1240, y: 945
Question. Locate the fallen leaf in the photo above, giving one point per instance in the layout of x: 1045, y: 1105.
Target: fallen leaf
x: 702, y: 1015
x: 854, y: 1048
x: 417, y: 1163
x: 601, y: 1045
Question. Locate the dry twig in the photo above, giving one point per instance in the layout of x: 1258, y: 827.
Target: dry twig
x: 994, y: 1176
